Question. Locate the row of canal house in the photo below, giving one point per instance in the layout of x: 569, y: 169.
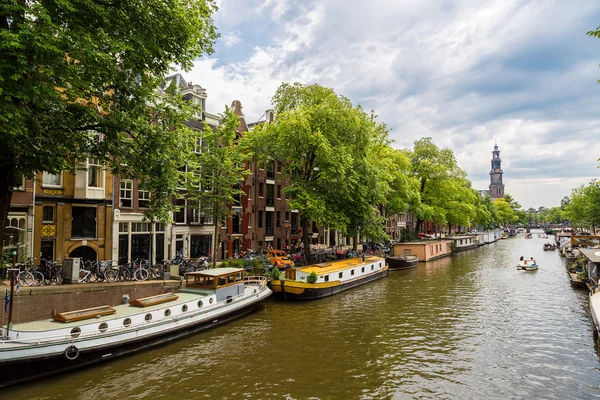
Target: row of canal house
x: 98, y: 216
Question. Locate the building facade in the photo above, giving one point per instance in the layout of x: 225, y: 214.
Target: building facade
x: 496, y: 183
x: 73, y: 214
x: 18, y: 233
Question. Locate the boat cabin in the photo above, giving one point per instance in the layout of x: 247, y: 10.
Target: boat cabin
x: 425, y: 250
x: 585, y: 240
x: 592, y: 265
x: 461, y: 243
x: 226, y: 282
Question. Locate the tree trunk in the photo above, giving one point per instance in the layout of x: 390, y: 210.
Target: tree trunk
x: 355, y: 240
x: 217, y: 218
x: 304, y: 224
x: 6, y: 186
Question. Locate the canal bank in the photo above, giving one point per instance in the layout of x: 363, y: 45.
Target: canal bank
x: 467, y: 326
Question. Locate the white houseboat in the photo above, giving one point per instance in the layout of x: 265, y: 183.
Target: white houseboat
x: 83, y: 337
x: 592, y: 267
x: 462, y: 243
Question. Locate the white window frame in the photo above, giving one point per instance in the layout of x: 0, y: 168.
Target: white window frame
x: 126, y: 187
x: 143, y: 195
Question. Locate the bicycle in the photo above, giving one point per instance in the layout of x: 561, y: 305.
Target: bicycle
x: 52, y: 272
x: 84, y: 275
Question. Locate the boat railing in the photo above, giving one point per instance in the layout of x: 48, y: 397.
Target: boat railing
x: 255, y: 280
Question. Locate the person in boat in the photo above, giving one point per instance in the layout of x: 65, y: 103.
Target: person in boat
x: 521, y: 259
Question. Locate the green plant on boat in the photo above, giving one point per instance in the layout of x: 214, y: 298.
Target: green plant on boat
x: 312, y: 278
x: 276, y: 274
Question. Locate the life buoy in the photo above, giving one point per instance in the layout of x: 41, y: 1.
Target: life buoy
x: 71, y: 353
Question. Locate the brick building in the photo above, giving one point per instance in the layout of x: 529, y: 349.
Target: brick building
x: 18, y: 235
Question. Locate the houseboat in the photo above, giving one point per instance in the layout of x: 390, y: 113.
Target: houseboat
x: 491, y: 236
x: 403, y: 261
x: 585, y: 241
x: 425, y: 250
x: 78, y: 338
x: 591, y: 258
x: 480, y: 238
x: 329, y: 278
x: 462, y: 243
x: 561, y: 237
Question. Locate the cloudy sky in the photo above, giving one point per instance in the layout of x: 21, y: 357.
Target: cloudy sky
x: 464, y: 72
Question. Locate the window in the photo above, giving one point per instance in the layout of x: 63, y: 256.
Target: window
x: 326, y: 278
x: 362, y: 270
x: 19, y: 183
x: 148, y: 317
x: 180, y: 211
x: 261, y: 189
x: 200, y: 304
x: 278, y: 219
x: 103, y: 327
x: 340, y: 275
x: 260, y: 219
x: 126, y: 193
x: 48, y: 214
x: 84, y: 222
x: 270, y: 195
x: 123, y: 227
x: 95, y: 173
x: 126, y: 322
x: 351, y: 272
x: 143, y: 198
x: 278, y: 192
x: 52, y: 179
x: 167, y: 312
x: 184, y: 308
x: 75, y: 332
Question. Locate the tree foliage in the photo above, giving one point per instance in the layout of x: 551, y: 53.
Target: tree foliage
x: 74, y: 67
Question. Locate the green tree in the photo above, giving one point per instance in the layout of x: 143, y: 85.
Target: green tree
x: 435, y: 169
x: 506, y: 215
x: 215, y: 175
x: 80, y: 78
x: 321, y: 139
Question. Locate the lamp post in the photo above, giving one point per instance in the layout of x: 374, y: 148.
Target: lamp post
x: 286, y: 226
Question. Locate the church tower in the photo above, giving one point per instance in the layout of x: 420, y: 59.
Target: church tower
x: 496, y: 185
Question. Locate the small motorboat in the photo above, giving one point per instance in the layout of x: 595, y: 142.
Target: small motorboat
x: 527, y: 265
x: 404, y: 261
x: 549, y: 247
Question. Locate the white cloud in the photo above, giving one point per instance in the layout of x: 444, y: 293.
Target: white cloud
x: 463, y: 72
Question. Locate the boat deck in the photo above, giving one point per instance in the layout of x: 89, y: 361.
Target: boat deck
x: 122, y: 311
x: 340, y: 265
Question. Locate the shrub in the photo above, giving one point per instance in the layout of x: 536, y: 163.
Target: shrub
x: 312, y: 278
x: 276, y: 274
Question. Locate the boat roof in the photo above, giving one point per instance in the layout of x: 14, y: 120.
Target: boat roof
x: 122, y: 311
x: 216, y: 271
x: 340, y: 265
x: 459, y: 237
x: 591, y: 254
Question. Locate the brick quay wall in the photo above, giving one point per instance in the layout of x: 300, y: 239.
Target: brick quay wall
x: 43, y: 302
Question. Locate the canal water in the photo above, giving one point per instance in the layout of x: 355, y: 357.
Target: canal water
x: 464, y: 327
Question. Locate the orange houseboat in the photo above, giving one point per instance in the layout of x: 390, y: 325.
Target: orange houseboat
x: 425, y: 250
x: 585, y: 240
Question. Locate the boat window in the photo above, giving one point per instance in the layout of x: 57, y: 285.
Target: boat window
x: 362, y: 269
x: 103, y: 327
x: 372, y: 267
x: 222, y: 281
x: 127, y: 322
x: 200, y: 304
x: 340, y: 275
x: 75, y: 332
x: 379, y: 265
x: 239, y: 277
x: 326, y: 278
x: 352, y: 272
x: 200, y: 281
x: 231, y: 279
x: 210, y: 300
x: 184, y: 308
x: 210, y: 282
x: 167, y: 312
x: 148, y: 317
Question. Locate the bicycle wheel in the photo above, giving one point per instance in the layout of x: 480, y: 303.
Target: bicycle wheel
x: 110, y: 275
x: 124, y: 274
x: 25, y: 278
x: 141, y: 274
x: 58, y: 277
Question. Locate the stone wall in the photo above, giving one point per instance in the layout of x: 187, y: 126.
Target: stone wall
x: 36, y: 303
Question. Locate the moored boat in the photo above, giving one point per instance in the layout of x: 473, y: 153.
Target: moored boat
x: 329, y: 278
x: 462, y: 243
x: 592, y: 267
x: 79, y: 338
x: 404, y: 261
